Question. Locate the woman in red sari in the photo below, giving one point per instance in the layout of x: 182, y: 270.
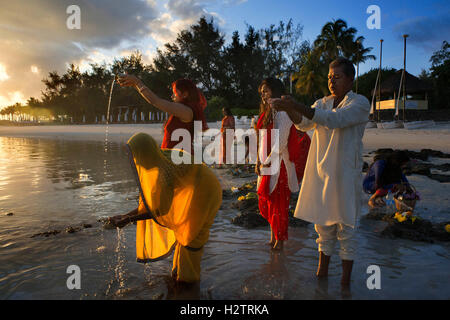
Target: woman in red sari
x: 288, y: 156
x: 187, y: 106
x: 227, y: 124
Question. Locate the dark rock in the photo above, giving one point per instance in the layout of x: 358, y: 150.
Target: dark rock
x: 434, y: 153
x: 443, y: 167
x: 375, y: 214
x: 423, y: 155
x: 70, y: 229
x: 249, y: 220
x: 227, y: 194
x: 247, y: 205
x: 439, y: 231
x: 87, y: 225
x: 419, y: 230
x: 46, y: 233
x: 9, y: 214
x: 440, y: 177
x: 295, y: 222
x: 249, y: 216
x: 421, y: 168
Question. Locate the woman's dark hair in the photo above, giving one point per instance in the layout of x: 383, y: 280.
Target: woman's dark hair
x: 227, y: 111
x: 186, y: 85
x: 277, y: 88
x: 392, y: 172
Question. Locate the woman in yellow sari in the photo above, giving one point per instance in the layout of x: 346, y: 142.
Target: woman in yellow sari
x: 177, y: 206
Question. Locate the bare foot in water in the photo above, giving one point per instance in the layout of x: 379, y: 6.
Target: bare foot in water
x: 278, y: 245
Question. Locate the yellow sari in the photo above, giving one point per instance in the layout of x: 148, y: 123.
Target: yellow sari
x: 183, y: 201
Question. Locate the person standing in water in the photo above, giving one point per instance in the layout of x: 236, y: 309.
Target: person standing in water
x: 275, y: 187
x: 187, y: 106
x: 226, y: 135
x: 177, y: 206
x: 330, y: 196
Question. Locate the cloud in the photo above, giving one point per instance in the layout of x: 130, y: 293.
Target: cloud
x: 179, y: 15
x: 426, y: 32
x: 35, y: 39
x: 35, y: 33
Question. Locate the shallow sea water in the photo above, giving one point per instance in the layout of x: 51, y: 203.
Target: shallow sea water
x: 51, y: 184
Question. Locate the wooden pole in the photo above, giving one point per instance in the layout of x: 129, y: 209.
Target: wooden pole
x: 404, y: 72
x: 379, y: 80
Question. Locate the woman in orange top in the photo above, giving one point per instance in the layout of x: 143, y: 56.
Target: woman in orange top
x: 227, y: 124
x: 187, y: 106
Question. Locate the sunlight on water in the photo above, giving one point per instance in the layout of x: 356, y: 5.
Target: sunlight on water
x: 50, y: 185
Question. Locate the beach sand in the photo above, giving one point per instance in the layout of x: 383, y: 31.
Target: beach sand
x: 436, y: 138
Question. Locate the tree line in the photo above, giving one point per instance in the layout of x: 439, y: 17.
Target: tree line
x: 228, y: 74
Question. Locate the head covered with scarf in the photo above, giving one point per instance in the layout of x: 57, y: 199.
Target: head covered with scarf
x: 182, y: 198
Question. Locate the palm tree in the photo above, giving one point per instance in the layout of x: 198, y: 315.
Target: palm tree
x: 311, y: 79
x: 335, y: 39
x: 360, y: 54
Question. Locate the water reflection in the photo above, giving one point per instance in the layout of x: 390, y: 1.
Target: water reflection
x: 50, y: 184
x: 270, y: 281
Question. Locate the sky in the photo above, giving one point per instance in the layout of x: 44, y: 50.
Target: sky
x: 35, y: 39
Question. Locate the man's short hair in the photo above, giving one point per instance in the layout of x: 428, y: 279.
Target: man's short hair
x: 347, y: 66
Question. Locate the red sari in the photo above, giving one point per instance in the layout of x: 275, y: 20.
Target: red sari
x: 274, y: 207
x: 227, y: 123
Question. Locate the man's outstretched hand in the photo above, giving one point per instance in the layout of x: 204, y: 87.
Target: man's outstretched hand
x: 290, y: 106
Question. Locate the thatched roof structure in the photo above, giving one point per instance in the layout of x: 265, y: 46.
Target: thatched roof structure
x: 413, y: 84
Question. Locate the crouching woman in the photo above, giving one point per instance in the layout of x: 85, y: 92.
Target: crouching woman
x: 177, y: 206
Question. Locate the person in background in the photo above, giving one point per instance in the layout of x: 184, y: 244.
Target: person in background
x: 226, y: 134
x: 386, y: 175
x: 330, y: 195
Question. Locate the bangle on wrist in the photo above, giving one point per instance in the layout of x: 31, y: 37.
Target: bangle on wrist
x: 140, y: 86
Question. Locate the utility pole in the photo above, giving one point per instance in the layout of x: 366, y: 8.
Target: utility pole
x: 404, y: 74
x: 379, y: 80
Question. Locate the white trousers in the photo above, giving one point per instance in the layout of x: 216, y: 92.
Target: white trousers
x: 328, y: 236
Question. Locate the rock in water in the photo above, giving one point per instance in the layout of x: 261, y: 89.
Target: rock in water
x: 70, y: 229
x: 249, y: 220
x: 296, y: 222
x: 440, y: 232
x: 100, y: 249
x: 46, y: 233
x: 249, y: 216
x: 419, y: 230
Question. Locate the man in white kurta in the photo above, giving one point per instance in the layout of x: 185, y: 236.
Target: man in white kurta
x: 330, y: 195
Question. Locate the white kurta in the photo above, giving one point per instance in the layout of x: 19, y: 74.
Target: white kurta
x: 278, y: 152
x: 332, y: 182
